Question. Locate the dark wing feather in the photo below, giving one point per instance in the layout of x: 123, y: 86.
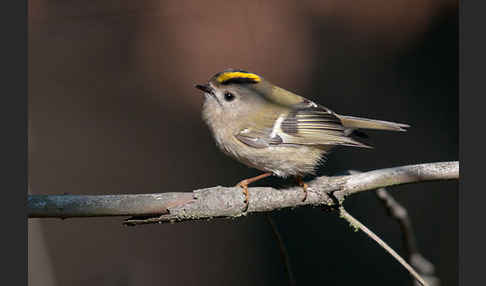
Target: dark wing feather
x: 315, y: 126
x: 258, y: 140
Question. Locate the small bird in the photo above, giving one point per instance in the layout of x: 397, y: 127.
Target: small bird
x: 274, y: 130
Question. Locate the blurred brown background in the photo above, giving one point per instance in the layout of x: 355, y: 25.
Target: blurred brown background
x: 112, y: 109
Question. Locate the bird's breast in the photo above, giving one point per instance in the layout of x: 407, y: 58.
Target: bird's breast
x: 283, y: 161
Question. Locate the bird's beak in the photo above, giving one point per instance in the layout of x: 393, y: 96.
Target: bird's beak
x: 208, y: 90
x: 205, y: 88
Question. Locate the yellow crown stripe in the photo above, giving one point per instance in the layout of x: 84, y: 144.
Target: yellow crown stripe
x: 230, y: 75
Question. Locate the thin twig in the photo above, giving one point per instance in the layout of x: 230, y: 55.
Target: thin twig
x: 283, y: 250
x: 358, y: 225
x: 228, y: 202
x: 399, y: 213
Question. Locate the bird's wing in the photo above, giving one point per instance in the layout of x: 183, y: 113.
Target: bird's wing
x: 256, y: 139
x: 260, y: 135
x: 313, y: 125
x: 307, y: 123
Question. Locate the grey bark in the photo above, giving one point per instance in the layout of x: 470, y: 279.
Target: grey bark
x: 228, y: 202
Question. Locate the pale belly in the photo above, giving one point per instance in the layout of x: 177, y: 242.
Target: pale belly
x: 283, y: 161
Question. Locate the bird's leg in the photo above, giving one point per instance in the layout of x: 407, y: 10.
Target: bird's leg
x: 304, y: 187
x: 244, y: 185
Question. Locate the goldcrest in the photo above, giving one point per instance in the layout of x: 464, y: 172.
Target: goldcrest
x: 274, y: 130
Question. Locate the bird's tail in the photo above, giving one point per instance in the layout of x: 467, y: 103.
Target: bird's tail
x: 365, y: 123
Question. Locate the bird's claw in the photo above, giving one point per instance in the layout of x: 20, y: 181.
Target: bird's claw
x: 244, y: 185
x: 304, y: 188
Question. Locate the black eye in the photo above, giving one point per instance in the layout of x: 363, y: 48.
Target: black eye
x: 228, y: 96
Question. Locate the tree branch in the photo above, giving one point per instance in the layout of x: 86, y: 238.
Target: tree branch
x: 424, y: 267
x: 358, y: 225
x: 228, y: 202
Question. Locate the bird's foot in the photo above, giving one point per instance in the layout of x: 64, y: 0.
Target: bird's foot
x: 304, y: 187
x: 244, y: 185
